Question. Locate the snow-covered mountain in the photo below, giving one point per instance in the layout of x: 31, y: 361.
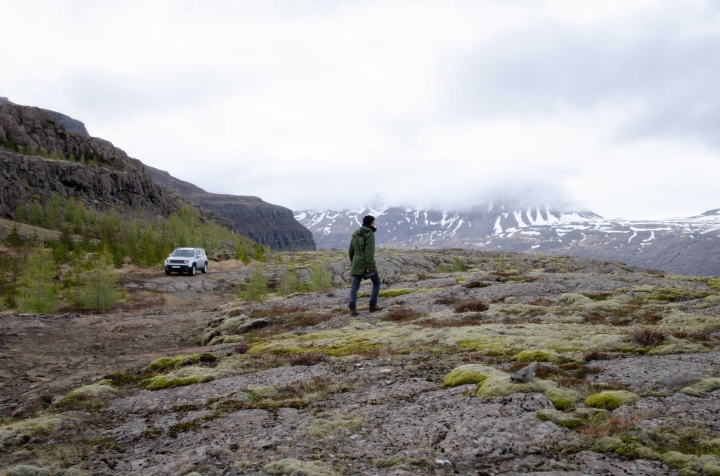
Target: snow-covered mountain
x: 681, y: 245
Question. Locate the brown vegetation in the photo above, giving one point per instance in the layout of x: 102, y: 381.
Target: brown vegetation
x: 474, y: 306
x: 309, y: 358
x: 648, y: 337
x: 402, y: 314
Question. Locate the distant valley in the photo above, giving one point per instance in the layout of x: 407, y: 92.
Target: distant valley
x: 681, y: 245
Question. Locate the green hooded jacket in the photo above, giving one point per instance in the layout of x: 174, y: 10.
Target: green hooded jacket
x: 362, y: 251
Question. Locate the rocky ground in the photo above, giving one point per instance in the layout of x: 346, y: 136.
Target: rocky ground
x: 187, y: 379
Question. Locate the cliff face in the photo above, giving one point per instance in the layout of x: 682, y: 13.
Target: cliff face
x: 105, y: 177
x: 58, y: 160
x: 72, y: 125
x: 269, y: 224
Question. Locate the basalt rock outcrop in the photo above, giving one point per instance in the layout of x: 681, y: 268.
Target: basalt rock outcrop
x: 45, y: 158
x: 268, y: 224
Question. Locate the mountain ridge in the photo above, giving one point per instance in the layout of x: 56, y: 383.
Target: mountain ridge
x: 681, y: 245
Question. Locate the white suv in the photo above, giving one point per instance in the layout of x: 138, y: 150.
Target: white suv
x: 187, y: 259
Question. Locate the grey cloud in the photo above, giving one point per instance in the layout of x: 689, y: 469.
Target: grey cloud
x: 662, y: 72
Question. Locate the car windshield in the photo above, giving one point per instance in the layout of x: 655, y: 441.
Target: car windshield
x: 184, y: 253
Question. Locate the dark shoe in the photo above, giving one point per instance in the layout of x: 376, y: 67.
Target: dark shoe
x: 375, y: 308
x: 353, y: 312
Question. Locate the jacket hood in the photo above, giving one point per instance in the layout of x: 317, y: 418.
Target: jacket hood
x: 363, y: 231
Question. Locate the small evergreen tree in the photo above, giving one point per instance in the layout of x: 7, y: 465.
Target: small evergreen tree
x: 21, y: 213
x: 256, y: 287
x: 241, y: 253
x: 38, y: 292
x: 259, y: 252
x: 288, y: 283
x: 14, y: 238
x: 320, y: 278
x: 53, y: 211
x: 36, y: 214
x: 98, y: 285
x: 70, y: 210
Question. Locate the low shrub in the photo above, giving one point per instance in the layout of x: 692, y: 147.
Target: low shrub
x: 241, y: 347
x: 401, y: 315
x: 309, y: 358
x: 471, y: 306
x: 596, y: 355
x: 648, y: 337
x: 477, y: 284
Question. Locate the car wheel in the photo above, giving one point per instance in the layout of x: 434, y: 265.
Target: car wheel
x: 205, y: 268
x: 192, y: 271
x: 167, y: 272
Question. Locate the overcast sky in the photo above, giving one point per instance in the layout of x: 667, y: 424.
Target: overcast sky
x: 326, y: 104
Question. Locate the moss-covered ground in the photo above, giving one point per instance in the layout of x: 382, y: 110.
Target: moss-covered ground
x: 579, y: 323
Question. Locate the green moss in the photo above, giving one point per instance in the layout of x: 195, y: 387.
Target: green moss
x: 184, y: 376
x: 321, y: 428
x: 289, y: 466
x: 567, y: 420
x: 611, y: 399
x: 24, y: 431
x: 170, y: 363
x: 678, y: 460
x: 261, y: 392
x: 470, y: 374
x: 702, y: 388
x: 389, y: 293
x: 102, y: 389
x: 561, y: 399
x: 539, y: 355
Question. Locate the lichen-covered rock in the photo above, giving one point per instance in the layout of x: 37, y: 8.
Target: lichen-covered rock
x: 27, y: 470
x: 611, y: 399
x: 525, y: 374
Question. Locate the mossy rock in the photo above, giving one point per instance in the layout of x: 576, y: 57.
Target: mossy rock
x: 702, y: 388
x: 565, y: 420
x: 572, y: 299
x: 27, y: 470
x: 611, y: 399
x: 470, y: 374
x: 24, y: 431
x: 102, y: 389
x: 501, y: 386
x: 183, y: 377
x: 262, y: 392
x: 537, y: 355
x: 290, y: 466
x: 171, y: 363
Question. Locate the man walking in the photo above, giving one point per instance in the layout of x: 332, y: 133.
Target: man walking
x: 362, y: 257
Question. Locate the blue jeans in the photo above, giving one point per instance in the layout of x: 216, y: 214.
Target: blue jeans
x: 356, y: 280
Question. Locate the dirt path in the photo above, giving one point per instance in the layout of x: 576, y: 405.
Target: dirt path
x: 51, y: 354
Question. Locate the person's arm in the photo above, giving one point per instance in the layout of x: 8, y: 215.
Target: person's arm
x: 370, y: 253
x: 351, y: 251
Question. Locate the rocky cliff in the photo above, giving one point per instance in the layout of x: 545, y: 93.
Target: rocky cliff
x: 72, y: 125
x: 42, y: 157
x: 269, y: 224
